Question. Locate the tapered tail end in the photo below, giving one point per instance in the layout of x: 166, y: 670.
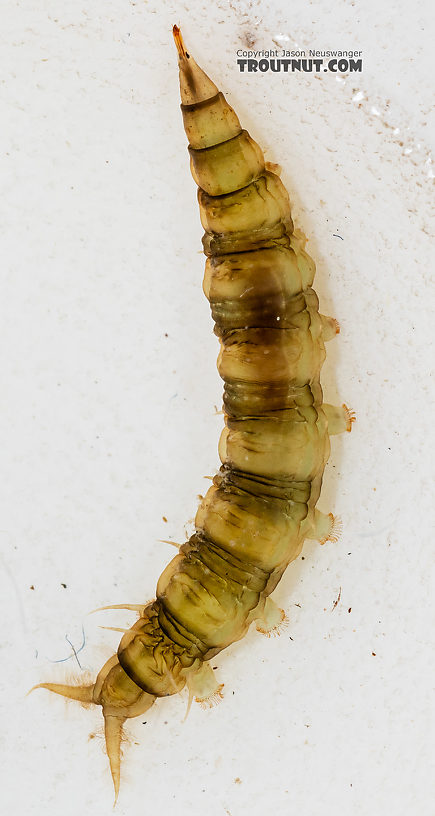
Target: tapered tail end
x: 120, y: 698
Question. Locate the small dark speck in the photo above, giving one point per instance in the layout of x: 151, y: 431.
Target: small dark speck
x: 165, y: 723
x: 233, y: 692
x: 334, y: 235
x: 298, y: 606
x: 374, y: 654
x: 63, y: 585
x: 291, y: 637
x: 144, y: 723
x: 32, y: 587
x: 166, y: 335
x: 302, y: 557
x: 214, y: 668
x: 350, y: 609
x: 349, y: 553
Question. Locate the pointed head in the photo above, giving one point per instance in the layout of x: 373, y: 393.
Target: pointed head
x: 195, y: 85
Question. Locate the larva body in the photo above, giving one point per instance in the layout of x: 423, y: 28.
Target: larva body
x: 262, y: 505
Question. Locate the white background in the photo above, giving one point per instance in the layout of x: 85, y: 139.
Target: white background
x: 109, y: 390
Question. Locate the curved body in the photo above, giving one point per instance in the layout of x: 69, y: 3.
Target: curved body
x: 262, y: 505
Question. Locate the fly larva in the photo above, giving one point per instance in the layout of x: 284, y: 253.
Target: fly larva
x: 262, y: 505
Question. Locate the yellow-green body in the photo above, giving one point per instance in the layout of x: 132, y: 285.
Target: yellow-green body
x: 273, y: 450
x: 253, y: 520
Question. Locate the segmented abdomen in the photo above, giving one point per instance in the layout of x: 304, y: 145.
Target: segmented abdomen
x: 258, y: 278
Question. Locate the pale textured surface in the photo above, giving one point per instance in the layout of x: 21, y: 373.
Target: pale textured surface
x: 108, y: 424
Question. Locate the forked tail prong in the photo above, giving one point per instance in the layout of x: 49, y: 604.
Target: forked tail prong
x: 189, y: 703
x: 113, y: 734
x: 84, y: 694
x: 116, y: 629
x: 139, y: 608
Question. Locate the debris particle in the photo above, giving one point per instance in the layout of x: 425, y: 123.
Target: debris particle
x: 350, y: 609
x: 337, y: 601
x: 164, y: 519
